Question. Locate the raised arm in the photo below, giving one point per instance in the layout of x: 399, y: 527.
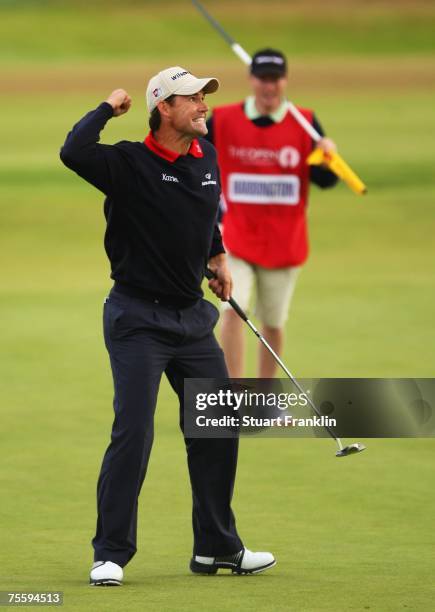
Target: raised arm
x: 81, y: 152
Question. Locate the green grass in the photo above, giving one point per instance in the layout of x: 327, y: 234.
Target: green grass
x: 58, y: 31
x: 352, y: 535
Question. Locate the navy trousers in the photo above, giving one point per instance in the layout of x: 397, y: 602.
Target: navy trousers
x: 145, y: 339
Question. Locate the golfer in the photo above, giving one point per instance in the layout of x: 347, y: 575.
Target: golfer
x: 262, y: 153
x: 161, y: 204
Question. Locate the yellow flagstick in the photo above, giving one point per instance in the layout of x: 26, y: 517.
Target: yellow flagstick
x: 332, y: 160
x: 337, y: 165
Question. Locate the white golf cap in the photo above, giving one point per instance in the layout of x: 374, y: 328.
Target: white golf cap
x: 176, y: 80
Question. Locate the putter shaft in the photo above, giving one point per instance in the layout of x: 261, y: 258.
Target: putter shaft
x: 342, y: 451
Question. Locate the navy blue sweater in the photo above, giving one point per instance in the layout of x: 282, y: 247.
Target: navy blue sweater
x: 161, y: 214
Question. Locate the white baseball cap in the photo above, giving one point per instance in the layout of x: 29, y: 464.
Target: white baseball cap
x: 176, y: 80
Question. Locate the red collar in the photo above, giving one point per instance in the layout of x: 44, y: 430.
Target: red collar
x: 194, y: 150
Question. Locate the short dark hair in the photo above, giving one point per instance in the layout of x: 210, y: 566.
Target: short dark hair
x: 155, y: 119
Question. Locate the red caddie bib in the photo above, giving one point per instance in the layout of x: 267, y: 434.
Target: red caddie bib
x: 265, y: 181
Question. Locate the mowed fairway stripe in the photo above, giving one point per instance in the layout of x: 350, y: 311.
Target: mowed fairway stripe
x: 332, y: 74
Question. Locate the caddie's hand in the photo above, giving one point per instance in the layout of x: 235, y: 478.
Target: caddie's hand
x: 327, y: 145
x: 120, y: 101
x: 222, y: 285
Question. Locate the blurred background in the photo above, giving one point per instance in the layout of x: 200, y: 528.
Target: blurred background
x: 360, y: 531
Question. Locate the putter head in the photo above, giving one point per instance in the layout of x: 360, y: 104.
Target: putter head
x: 350, y: 450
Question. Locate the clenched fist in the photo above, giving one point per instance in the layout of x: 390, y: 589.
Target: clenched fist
x: 120, y: 101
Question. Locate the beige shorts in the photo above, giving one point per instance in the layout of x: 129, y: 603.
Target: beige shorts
x: 274, y: 290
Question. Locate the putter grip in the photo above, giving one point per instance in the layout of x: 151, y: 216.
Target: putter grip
x: 211, y: 275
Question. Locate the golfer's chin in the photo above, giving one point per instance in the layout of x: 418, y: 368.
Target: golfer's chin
x: 199, y: 128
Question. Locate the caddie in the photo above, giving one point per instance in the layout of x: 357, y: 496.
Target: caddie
x: 161, y: 203
x: 262, y: 152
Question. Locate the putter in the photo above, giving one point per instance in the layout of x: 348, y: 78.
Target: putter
x: 343, y: 451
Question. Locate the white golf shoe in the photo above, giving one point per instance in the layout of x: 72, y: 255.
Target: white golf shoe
x: 243, y: 562
x: 106, y: 573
